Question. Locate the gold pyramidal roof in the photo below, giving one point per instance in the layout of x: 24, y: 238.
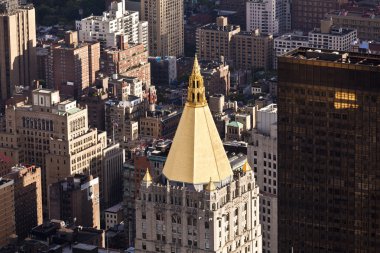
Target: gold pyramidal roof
x: 197, y: 155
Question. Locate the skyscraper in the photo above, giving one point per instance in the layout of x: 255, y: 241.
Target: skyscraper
x: 201, y: 204
x: 165, y: 32
x: 306, y: 15
x: 328, y: 151
x: 18, y: 61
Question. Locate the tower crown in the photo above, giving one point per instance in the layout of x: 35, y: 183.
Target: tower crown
x: 196, y: 93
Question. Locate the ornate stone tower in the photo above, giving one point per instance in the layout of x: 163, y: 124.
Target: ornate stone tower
x: 201, y: 205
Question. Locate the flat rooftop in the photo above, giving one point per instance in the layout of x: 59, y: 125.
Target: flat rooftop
x: 215, y: 27
x: 356, y: 14
x: 114, y: 209
x: 334, y: 56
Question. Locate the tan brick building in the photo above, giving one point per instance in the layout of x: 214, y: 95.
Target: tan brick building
x: 166, y: 28
x: 215, y: 40
x: 131, y: 61
x: 52, y: 134
x: 7, y: 211
x: 75, y: 65
x: 18, y: 61
x: 242, y: 50
x: 252, y: 50
x: 27, y: 198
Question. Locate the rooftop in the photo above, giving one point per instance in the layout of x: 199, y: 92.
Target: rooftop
x: 215, y: 27
x: 116, y: 208
x: 334, y: 56
x: 356, y: 14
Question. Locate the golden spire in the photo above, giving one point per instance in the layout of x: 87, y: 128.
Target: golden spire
x: 147, y: 177
x: 196, y: 94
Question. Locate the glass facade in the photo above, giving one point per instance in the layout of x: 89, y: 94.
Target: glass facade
x: 329, y: 152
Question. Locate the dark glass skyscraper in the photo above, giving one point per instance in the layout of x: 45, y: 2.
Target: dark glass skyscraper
x: 329, y: 152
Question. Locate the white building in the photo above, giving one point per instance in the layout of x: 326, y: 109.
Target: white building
x: 325, y: 37
x: 262, y: 15
x: 332, y: 37
x: 262, y: 156
x: 116, y: 21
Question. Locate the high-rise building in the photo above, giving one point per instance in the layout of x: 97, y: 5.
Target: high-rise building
x: 115, y: 22
x: 262, y: 15
x: 165, y: 19
x: 76, y: 200
x: 328, y: 146
x: 240, y: 49
x: 75, y: 65
x: 215, y: 40
x: 27, y: 198
x: 7, y: 211
x: 306, y: 15
x: 54, y: 135
x: 200, y: 204
x: 18, y: 62
x: 262, y: 155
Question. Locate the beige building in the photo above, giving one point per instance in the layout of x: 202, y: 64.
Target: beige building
x: 367, y: 25
x: 54, y: 135
x: 113, y: 215
x: 27, y: 198
x: 18, y: 60
x: 242, y: 50
x: 215, y: 40
x: 166, y: 28
x: 204, y: 205
x: 7, y: 211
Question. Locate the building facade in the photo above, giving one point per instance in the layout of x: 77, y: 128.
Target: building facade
x: 193, y: 208
x: 54, y: 135
x: 27, y: 198
x: 214, y: 40
x: 75, y: 65
x: 366, y: 23
x: 252, y: 50
x: 165, y: 32
x: 131, y: 60
x: 76, y: 200
x: 262, y: 156
x: 7, y: 211
x: 306, y: 15
x: 328, y: 108
x: 18, y: 61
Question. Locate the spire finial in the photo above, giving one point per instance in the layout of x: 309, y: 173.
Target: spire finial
x: 196, y: 94
x: 210, y: 186
x: 147, y: 177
